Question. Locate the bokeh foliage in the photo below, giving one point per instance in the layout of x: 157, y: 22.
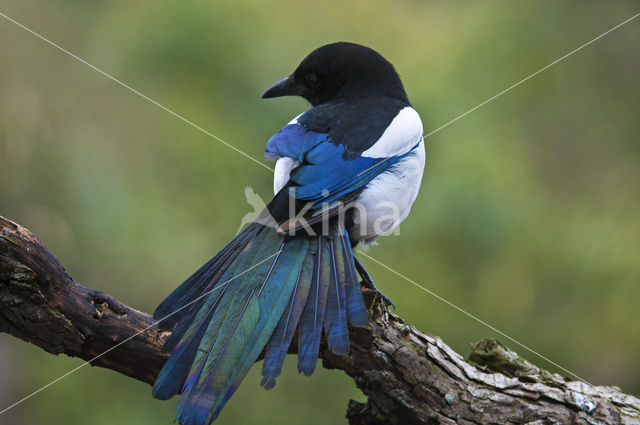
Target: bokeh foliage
x: 529, y: 215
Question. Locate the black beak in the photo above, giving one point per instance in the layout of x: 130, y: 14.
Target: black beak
x: 285, y: 87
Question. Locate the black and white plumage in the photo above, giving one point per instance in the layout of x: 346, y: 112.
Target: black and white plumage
x: 347, y: 171
x: 362, y: 146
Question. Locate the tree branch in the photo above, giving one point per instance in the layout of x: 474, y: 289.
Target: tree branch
x: 409, y: 377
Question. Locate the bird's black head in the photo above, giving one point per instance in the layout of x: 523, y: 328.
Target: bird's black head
x: 341, y: 71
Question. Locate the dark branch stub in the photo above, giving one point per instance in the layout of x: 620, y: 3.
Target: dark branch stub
x: 409, y: 377
x: 41, y: 304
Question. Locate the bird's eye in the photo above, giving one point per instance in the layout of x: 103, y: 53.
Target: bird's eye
x: 312, y: 80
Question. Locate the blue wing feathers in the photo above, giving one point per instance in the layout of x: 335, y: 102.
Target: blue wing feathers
x: 308, y: 286
x: 236, y: 315
x: 271, y: 301
x: 336, y: 314
x: 186, y: 339
x: 356, y: 310
x: 293, y: 141
x: 202, y: 318
x: 172, y: 377
x: 235, y: 300
x: 327, y: 172
x: 281, y: 339
x: 310, y: 327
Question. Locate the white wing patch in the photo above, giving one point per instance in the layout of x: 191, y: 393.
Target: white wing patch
x: 282, y: 172
x: 295, y: 120
x: 402, y: 134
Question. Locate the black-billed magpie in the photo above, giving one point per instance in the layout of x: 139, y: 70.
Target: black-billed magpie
x: 347, y: 171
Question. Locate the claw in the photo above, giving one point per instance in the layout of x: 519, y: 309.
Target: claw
x: 367, y: 282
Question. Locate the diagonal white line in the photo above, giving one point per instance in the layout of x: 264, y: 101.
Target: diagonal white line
x: 449, y: 303
x: 515, y: 85
x: 266, y: 166
x: 532, y: 75
x: 109, y: 76
x: 134, y: 335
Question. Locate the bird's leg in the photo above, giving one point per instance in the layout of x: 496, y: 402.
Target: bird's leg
x: 367, y: 282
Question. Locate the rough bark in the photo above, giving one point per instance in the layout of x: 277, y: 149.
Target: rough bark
x: 409, y: 377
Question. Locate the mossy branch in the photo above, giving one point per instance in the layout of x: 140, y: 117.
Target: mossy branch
x: 409, y: 377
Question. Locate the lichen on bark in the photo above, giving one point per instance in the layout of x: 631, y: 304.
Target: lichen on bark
x: 25, y: 312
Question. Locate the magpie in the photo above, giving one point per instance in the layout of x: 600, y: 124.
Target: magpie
x: 347, y: 171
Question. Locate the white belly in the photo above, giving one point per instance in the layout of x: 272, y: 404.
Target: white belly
x: 387, y: 199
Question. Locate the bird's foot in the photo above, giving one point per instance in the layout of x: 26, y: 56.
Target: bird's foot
x: 370, y: 285
x: 367, y: 282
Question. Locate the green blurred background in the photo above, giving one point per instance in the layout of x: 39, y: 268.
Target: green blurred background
x: 529, y: 213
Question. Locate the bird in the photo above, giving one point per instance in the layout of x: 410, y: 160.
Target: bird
x: 347, y: 171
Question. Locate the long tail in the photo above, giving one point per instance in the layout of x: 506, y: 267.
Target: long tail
x: 260, y: 288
